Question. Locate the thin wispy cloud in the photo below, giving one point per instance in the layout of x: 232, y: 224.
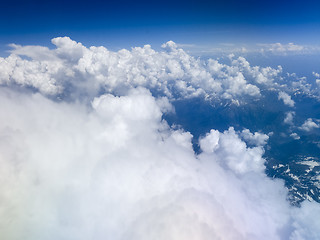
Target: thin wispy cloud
x: 262, y: 49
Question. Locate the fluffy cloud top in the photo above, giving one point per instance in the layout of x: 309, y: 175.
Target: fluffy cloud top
x: 286, y: 99
x: 74, y: 69
x: 256, y: 139
x: 308, y: 125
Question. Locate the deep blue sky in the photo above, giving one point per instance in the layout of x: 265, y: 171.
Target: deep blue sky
x: 133, y: 23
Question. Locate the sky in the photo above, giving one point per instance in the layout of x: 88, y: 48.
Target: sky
x: 205, y: 23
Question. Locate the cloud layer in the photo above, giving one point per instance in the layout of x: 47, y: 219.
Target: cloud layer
x: 308, y: 125
x: 114, y: 169
x: 74, y: 69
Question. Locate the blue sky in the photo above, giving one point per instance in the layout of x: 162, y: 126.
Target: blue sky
x: 119, y: 24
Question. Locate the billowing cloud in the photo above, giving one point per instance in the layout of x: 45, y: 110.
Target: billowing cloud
x: 286, y: 98
x: 72, y: 67
x: 308, y: 125
x: 256, y: 139
x: 110, y: 167
x: 74, y: 71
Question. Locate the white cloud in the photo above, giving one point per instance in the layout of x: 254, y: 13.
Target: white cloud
x: 116, y: 170
x: 186, y: 45
x: 317, y: 75
x: 250, y: 159
x: 282, y: 49
x: 257, y: 139
x: 38, y: 74
x: 295, y: 136
x: 224, y: 49
x: 289, y: 117
x: 74, y: 69
x: 309, y: 125
x: 286, y: 98
x: 261, y: 75
x: 262, y: 49
x: 37, y: 53
x: 305, y: 221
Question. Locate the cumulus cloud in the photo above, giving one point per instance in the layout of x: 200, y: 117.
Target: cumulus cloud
x: 77, y: 70
x: 286, y: 98
x: 309, y: 125
x: 117, y: 170
x: 110, y: 167
x: 71, y: 70
x: 219, y: 145
x: 289, y: 117
x: 37, y: 53
x: 256, y: 139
